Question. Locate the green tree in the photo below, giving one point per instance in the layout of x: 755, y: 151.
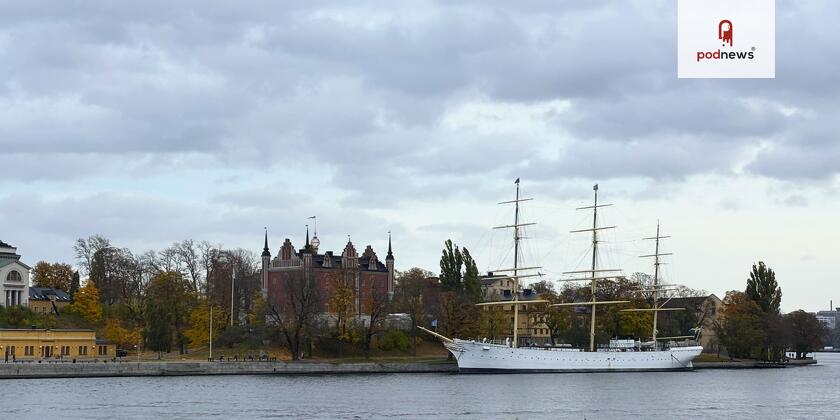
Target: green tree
x: 75, y: 283
x: 86, y: 303
x: 55, y: 276
x: 763, y: 289
x: 459, y: 273
x: 167, y: 306
x: 806, y: 332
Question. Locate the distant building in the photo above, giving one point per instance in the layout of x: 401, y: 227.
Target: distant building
x: 14, y: 277
x: 701, y: 311
x: 531, y: 328
x: 308, y: 266
x: 45, y: 344
x: 46, y: 300
x: 828, y: 318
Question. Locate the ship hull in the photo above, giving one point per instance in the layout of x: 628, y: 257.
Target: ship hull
x: 476, y: 357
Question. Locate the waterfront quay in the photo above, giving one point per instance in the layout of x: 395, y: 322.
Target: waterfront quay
x: 187, y: 368
x: 196, y: 368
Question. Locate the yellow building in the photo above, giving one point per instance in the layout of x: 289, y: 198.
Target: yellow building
x: 51, y: 345
x: 45, y: 300
x: 532, y: 328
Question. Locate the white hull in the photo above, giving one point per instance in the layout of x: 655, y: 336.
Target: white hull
x: 476, y: 357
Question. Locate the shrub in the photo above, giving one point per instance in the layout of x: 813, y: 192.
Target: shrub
x: 394, y: 340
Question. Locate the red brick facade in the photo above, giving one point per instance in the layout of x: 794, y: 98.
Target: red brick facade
x: 290, y: 268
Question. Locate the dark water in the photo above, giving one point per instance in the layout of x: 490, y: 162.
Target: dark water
x: 796, y: 393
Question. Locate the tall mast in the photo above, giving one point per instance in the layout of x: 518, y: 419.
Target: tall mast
x: 516, y: 268
x: 656, y: 289
x: 594, y: 274
x: 594, y: 263
x: 656, y: 282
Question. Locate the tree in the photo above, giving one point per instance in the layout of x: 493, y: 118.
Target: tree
x: 806, y: 332
x: 167, y: 308
x: 740, y: 328
x: 86, y: 303
x: 410, y: 291
x: 86, y: 248
x: 75, y: 283
x: 55, y: 276
x: 295, y: 313
x: 119, y: 335
x: 763, y: 289
x: 459, y: 273
x: 375, y: 307
x: 342, y: 303
x: 198, y: 332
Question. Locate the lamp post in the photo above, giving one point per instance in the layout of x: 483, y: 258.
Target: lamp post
x: 211, y: 333
x: 232, y: 276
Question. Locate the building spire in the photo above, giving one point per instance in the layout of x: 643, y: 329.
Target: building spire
x: 390, y: 254
x: 266, y: 252
x: 307, y: 235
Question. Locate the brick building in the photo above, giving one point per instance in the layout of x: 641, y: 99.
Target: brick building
x: 368, y: 275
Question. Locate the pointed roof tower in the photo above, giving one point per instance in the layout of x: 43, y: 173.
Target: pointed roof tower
x: 390, y: 254
x: 266, y: 252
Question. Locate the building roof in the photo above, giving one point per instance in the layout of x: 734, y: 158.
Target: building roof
x: 44, y: 293
x: 3, y: 244
x: 6, y: 261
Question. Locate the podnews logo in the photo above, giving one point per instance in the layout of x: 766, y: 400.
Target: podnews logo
x: 725, y: 34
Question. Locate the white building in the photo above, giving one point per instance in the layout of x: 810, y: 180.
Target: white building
x: 828, y: 318
x: 14, y: 277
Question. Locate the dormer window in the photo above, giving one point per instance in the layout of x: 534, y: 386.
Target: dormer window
x: 14, y: 276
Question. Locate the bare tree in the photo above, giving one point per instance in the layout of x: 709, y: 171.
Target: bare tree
x: 188, y: 255
x: 86, y: 248
x: 295, y: 314
x: 375, y: 307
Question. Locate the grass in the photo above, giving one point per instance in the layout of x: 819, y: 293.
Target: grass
x: 427, y: 352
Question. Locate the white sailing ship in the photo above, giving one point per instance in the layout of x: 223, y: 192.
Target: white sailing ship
x: 658, y: 354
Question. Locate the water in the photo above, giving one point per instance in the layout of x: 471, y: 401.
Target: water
x: 796, y: 393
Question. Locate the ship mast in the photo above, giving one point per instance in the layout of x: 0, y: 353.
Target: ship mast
x: 658, y: 289
x: 595, y: 274
x: 516, y: 268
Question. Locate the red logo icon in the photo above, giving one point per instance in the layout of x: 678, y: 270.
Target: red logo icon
x: 725, y: 32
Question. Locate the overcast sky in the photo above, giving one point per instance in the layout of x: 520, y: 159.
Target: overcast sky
x: 151, y: 122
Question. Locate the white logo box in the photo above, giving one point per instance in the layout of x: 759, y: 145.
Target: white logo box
x: 701, y: 53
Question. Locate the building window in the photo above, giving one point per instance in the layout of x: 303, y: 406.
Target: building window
x: 82, y: 350
x: 65, y: 350
x: 103, y: 350
x: 28, y: 350
x: 48, y: 351
x: 13, y: 276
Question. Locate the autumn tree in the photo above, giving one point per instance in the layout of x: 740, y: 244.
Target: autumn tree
x: 410, y: 292
x: 121, y: 336
x: 54, y: 276
x: 740, y: 327
x: 342, y: 302
x: 86, y: 303
x: 198, y: 332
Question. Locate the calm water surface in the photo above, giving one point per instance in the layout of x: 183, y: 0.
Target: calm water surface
x: 797, y: 393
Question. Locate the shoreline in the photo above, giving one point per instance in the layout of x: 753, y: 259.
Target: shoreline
x: 186, y: 368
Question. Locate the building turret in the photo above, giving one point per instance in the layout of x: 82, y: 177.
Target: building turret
x: 266, y: 262
x: 389, y: 264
